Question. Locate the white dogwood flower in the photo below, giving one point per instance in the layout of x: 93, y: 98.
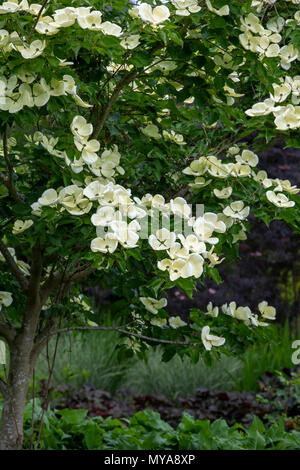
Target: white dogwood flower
x: 176, y: 322
x: 162, y: 240
x: 64, y: 17
x: 197, y: 167
x: 41, y: 93
x: 156, y: 15
x: 153, y: 305
x: 247, y: 157
x: 126, y: 233
x: 5, y: 299
x: 151, y: 130
x: 287, y: 55
x: 223, y: 193
x: 46, y: 26
x: 209, y: 340
x: 186, y: 7
x: 90, y: 21
x: 32, y: 51
x: 160, y: 322
x: 105, y: 215
x: 131, y: 42
x: 80, y: 128
x: 267, y: 311
x: 191, y: 243
x: 111, y: 29
x: 105, y: 245
x: 223, y: 11
x: 191, y: 266
x: 20, y: 226
x: 211, y: 310
x: 279, y: 199
x: 73, y: 200
x: 262, y: 108
x: 237, y: 210
x: 48, y: 198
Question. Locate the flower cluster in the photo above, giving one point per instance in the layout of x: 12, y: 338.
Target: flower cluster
x: 265, y: 41
x: 244, y: 314
x: 62, y: 18
x: 260, y: 4
x: 244, y: 167
x: 70, y: 198
x: 104, y: 166
x: 153, y: 306
x: 186, y: 7
x: 25, y: 90
x: 286, y: 116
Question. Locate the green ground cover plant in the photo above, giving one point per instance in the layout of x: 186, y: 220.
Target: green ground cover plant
x: 69, y: 429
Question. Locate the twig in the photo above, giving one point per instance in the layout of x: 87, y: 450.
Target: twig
x: 13, y: 266
x: 126, y: 332
x: 125, y: 81
x: 9, y: 181
x: 3, y: 389
x: 37, y: 19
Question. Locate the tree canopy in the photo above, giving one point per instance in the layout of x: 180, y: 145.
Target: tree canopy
x: 129, y: 141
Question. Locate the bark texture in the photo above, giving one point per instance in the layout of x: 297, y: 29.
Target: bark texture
x: 11, y: 431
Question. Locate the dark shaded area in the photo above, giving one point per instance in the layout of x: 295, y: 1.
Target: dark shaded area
x: 275, y: 397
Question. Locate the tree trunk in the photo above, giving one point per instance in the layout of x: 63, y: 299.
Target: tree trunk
x: 20, y: 370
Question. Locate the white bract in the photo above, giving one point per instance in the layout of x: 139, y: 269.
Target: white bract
x: 153, y: 305
x: 105, y: 245
x: 162, y: 240
x: 267, y: 311
x: 5, y: 299
x: 210, y: 340
x: 154, y: 15
x: 186, y: 7
x: 223, y: 193
x: 176, y: 322
x: 48, y: 198
x: 237, y: 210
x: 223, y: 11
x: 211, y: 310
x: 279, y: 199
x: 33, y: 50
x: 20, y: 226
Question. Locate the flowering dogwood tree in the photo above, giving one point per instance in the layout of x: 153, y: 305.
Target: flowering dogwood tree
x: 125, y: 158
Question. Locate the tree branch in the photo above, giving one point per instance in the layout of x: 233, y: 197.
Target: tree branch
x: 33, y: 303
x: 55, y: 278
x: 121, y: 330
x: 9, y: 181
x: 3, y: 388
x: 125, y: 81
x: 13, y: 266
x: 42, y: 338
x: 7, y: 332
x: 37, y: 19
